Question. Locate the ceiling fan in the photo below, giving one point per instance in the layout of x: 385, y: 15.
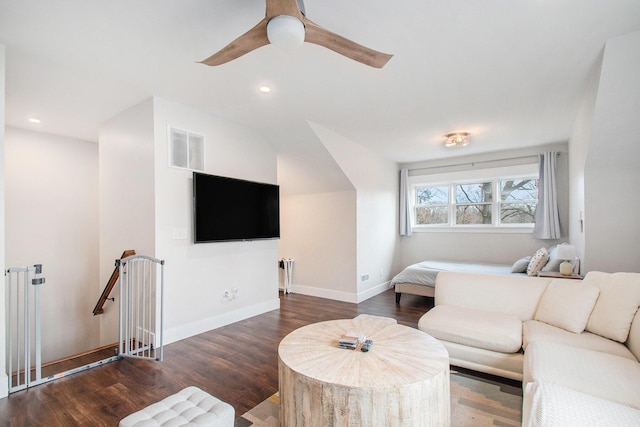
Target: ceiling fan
x: 285, y: 24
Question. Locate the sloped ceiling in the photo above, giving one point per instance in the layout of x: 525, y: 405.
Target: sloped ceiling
x: 304, y: 164
x: 512, y: 73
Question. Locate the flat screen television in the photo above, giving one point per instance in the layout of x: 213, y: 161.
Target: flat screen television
x: 227, y: 209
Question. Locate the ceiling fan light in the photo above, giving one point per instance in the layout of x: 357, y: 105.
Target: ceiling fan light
x: 285, y: 31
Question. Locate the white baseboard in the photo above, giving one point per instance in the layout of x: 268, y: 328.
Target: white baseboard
x: 372, y: 292
x: 325, y: 293
x: 341, y: 295
x: 4, y: 386
x: 205, y: 325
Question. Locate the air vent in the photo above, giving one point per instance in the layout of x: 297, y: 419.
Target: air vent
x: 186, y: 149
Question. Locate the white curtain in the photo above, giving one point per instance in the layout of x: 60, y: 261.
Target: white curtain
x: 405, y: 217
x: 547, y: 218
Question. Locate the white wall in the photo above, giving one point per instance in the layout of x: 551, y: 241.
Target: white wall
x: 578, y: 149
x: 52, y: 219
x: 319, y: 233
x: 376, y: 181
x: 3, y: 375
x: 612, y: 171
x: 196, y: 276
x: 127, y: 198
x: 498, y: 248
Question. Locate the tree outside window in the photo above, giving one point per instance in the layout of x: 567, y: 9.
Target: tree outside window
x: 518, y: 200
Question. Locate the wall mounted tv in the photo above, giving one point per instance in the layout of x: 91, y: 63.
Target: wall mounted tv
x: 226, y: 209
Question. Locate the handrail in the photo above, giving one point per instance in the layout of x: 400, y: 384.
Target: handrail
x: 98, y: 309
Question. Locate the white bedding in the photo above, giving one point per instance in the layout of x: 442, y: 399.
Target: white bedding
x: 424, y: 273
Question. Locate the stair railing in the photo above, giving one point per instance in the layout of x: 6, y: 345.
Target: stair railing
x: 99, y: 308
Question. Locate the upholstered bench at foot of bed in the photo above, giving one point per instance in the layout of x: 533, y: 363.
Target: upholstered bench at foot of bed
x: 190, y: 406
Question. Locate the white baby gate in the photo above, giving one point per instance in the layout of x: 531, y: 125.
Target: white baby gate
x: 23, y: 326
x: 141, y: 306
x: 140, y: 319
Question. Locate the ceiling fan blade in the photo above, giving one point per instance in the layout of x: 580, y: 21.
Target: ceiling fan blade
x: 283, y: 7
x: 251, y: 40
x: 320, y: 36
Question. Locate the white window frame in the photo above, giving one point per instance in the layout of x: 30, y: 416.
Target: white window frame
x: 494, y: 175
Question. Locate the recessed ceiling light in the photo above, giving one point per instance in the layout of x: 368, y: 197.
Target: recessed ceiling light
x: 34, y: 120
x: 265, y: 89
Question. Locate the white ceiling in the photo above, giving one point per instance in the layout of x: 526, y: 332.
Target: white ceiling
x: 512, y: 73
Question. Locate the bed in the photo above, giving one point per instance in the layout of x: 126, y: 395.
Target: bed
x: 420, y: 278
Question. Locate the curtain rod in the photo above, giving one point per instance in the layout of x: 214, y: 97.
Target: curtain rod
x: 473, y: 163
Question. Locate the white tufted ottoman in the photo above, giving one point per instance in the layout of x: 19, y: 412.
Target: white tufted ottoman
x: 189, y: 407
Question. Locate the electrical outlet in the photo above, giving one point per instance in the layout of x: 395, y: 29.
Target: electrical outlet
x: 364, y: 277
x: 227, y: 294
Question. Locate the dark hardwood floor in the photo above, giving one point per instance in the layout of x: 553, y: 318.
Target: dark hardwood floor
x: 237, y: 363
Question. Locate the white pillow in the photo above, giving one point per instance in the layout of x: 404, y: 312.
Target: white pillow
x: 567, y: 304
x: 538, y: 260
x: 617, y: 304
x: 520, y: 266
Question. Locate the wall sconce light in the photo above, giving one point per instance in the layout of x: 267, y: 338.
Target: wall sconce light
x: 457, y: 139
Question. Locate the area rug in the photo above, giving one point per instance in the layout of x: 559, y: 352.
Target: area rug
x: 475, y: 402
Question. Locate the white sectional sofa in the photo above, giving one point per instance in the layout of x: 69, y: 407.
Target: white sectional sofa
x: 574, y: 344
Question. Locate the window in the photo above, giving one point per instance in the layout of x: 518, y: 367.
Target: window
x: 518, y: 199
x: 506, y: 202
x: 473, y: 203
x: 432, y: 205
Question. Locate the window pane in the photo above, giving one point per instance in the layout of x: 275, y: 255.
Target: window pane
x: 432, y: 195
x: 519, y: 189
x: 432, y: 215
x: 517, y: 213
x: 473, y: 214
x: 474, y: 193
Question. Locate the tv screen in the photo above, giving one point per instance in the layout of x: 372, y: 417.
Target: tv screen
x: 234, y: 209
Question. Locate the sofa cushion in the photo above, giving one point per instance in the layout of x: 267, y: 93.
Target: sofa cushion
x: 476, y: 328
x: 633, y: 342
x: 567, y: 304
x: 617, y: 304
x: 548, y: 404
x: 600, y: 374
x: 538, y: 260
x: 532, y: 330
x: 500, y: 293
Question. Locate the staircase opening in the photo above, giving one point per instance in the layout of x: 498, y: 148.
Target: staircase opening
x: 141, y: 282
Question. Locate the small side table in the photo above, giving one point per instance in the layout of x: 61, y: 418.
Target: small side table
x: 556, y: 274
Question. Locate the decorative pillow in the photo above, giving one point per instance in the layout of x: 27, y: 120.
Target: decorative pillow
x: 520, y: 266
x: 538, y: 260
x: 554, y: 262
x: 617, y: 304
x: 567, y: 304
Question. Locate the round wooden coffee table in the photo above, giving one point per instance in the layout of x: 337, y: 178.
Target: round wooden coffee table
x: 402, y: 381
